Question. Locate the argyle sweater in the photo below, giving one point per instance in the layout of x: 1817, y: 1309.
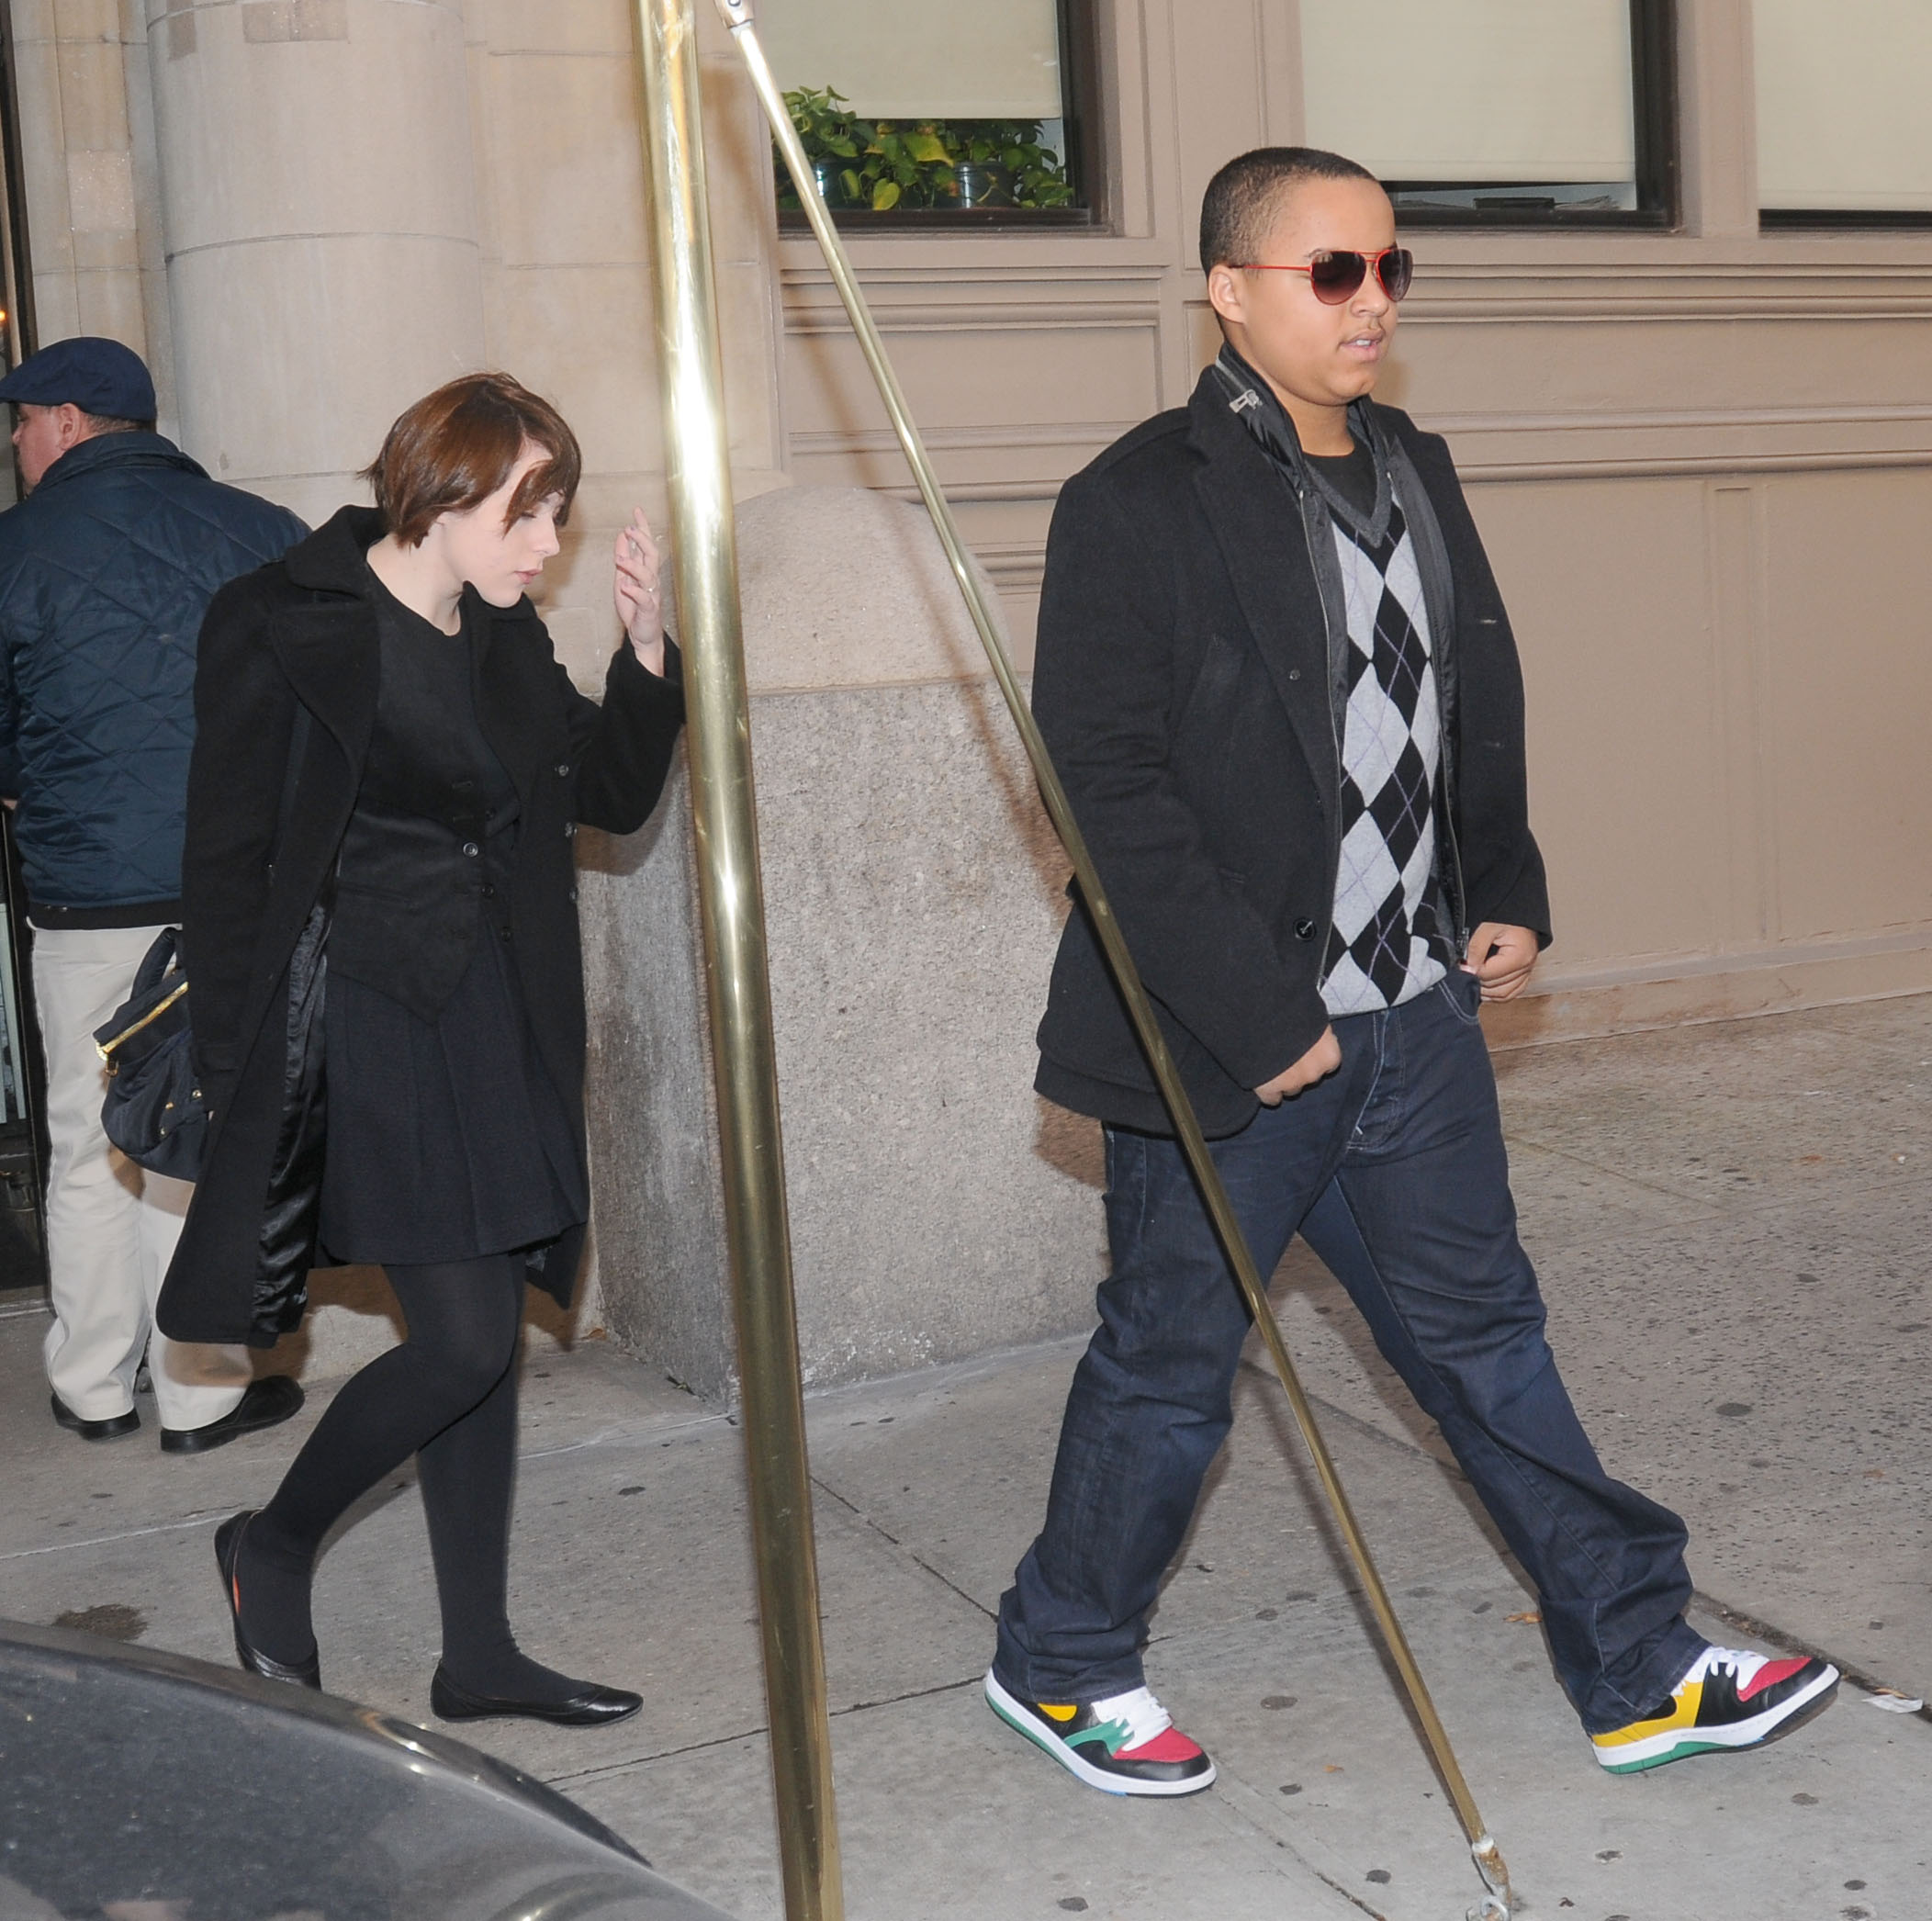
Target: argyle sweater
x: 1385, y: 941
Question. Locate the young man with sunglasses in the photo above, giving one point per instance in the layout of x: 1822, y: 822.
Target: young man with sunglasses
x: 1277, y: 676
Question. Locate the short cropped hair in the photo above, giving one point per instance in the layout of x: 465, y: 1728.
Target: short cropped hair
x: 99, y: 423
x: 1241, y: 201
x: 457, y: 446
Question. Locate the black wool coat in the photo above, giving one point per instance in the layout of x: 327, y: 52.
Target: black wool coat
x: 1183, y: 684
x: 303, y: 633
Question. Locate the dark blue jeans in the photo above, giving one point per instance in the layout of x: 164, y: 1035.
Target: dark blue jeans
x: 1393, y: 1170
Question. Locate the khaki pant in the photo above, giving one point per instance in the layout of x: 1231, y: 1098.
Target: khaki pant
x: 111, y: 1227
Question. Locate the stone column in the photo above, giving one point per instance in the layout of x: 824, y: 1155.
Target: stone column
x: 320, y: 207
x: 83, y: 80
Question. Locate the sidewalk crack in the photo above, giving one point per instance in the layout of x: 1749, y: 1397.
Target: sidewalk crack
x: 611, y: 1768
x: 912, y: 1555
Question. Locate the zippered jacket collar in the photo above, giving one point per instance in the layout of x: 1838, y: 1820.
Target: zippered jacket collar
x: 1254, y: 403
x: 105, y: 450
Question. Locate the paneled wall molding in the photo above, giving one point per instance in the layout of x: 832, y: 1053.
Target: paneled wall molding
x: 1742, y: 440
x: 1447, y: 291
x: 1133, y: 287
x: 1015, y: 566
x: 960, y: 263
x: 1080, y: 435
x: 1488, y: 446
x: 1691, y: 467
x: 803, y: 319
x: 1784, y: 290
x: 1846, y: 286
x: 961, y: 259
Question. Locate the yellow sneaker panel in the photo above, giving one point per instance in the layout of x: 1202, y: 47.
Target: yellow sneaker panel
x: 1685, y: 1704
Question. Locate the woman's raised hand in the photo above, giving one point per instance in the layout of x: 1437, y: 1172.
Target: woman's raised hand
x: 640, y: 598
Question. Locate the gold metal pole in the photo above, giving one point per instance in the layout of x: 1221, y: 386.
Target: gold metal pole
x: 738, y: 17
x: 725, y: 823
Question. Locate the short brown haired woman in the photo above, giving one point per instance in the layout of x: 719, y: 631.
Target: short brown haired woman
x: 380, y: 717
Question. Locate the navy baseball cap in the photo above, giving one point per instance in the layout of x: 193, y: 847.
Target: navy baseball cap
x: 99, y: 377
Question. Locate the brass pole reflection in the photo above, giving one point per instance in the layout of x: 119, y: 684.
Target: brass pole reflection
x: 731, y: 905
x: 738, y: 17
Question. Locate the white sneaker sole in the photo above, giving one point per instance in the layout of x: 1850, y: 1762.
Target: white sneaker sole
x: 1681, y: 1743
x: 1016, y: 1717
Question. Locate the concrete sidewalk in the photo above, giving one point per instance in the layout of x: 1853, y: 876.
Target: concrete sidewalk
x: 1731, y: 1224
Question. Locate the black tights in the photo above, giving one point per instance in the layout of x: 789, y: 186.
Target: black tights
x: 447, y: 1395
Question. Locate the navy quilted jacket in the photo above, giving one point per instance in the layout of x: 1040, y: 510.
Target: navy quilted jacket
x: 106, y: 569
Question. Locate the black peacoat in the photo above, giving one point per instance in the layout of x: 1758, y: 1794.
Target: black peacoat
x: 1185, y: 682
x: 302, y: 633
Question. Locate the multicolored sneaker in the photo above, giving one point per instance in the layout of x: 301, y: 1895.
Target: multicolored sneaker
x: 1730, y: 1698
x: 1124, y: 1745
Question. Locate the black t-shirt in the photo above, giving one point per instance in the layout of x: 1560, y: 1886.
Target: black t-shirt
x: 1351, y: 475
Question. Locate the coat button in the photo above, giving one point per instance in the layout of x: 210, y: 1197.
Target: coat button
x: 1294, y: 673
x: 471, y: 849
x: 563, y: 768
x: 569, y: 830
x: 1304, y: 929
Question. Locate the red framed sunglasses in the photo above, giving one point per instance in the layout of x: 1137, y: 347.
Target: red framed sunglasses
x: 1335, y: 276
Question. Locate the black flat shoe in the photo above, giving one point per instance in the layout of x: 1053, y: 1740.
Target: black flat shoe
x: 228, y: 1551
x: 111, y: 1428
x: 591, y: 1706
x: 264, y: 1403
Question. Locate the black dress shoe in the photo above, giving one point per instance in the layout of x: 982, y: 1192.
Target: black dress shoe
x: 265, y: 1403
x: 228, y: 1551
x: 591, y: 1706
x: 111, y: 1428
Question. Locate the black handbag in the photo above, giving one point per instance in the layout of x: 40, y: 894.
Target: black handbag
x: 154, y: 1111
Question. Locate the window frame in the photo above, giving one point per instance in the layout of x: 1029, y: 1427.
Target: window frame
x: 1086, y: 158
x: 1654, y: 120
x: 1844, y: 219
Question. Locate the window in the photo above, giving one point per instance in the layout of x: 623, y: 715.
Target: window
x: 1500, y: 112
x: 1844, y: 130
x: 928, y: 112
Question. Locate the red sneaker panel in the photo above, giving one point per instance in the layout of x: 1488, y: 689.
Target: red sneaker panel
x: 1770, y: 1674
x: 1169, y: 1744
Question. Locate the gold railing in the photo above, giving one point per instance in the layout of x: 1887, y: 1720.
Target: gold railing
x: 731, y: 902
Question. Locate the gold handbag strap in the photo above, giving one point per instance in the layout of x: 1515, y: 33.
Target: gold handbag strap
x: 105, y: 1049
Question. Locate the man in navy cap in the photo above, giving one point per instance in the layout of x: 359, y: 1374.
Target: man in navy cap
x: 106, y: 569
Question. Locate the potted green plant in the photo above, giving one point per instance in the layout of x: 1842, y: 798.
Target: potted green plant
x: 833, y: 143
x: 883, y: 165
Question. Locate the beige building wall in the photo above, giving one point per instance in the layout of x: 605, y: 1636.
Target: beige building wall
x: 1702, y: 462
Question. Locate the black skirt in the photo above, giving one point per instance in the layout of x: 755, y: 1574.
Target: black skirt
x: 446, y: 1139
